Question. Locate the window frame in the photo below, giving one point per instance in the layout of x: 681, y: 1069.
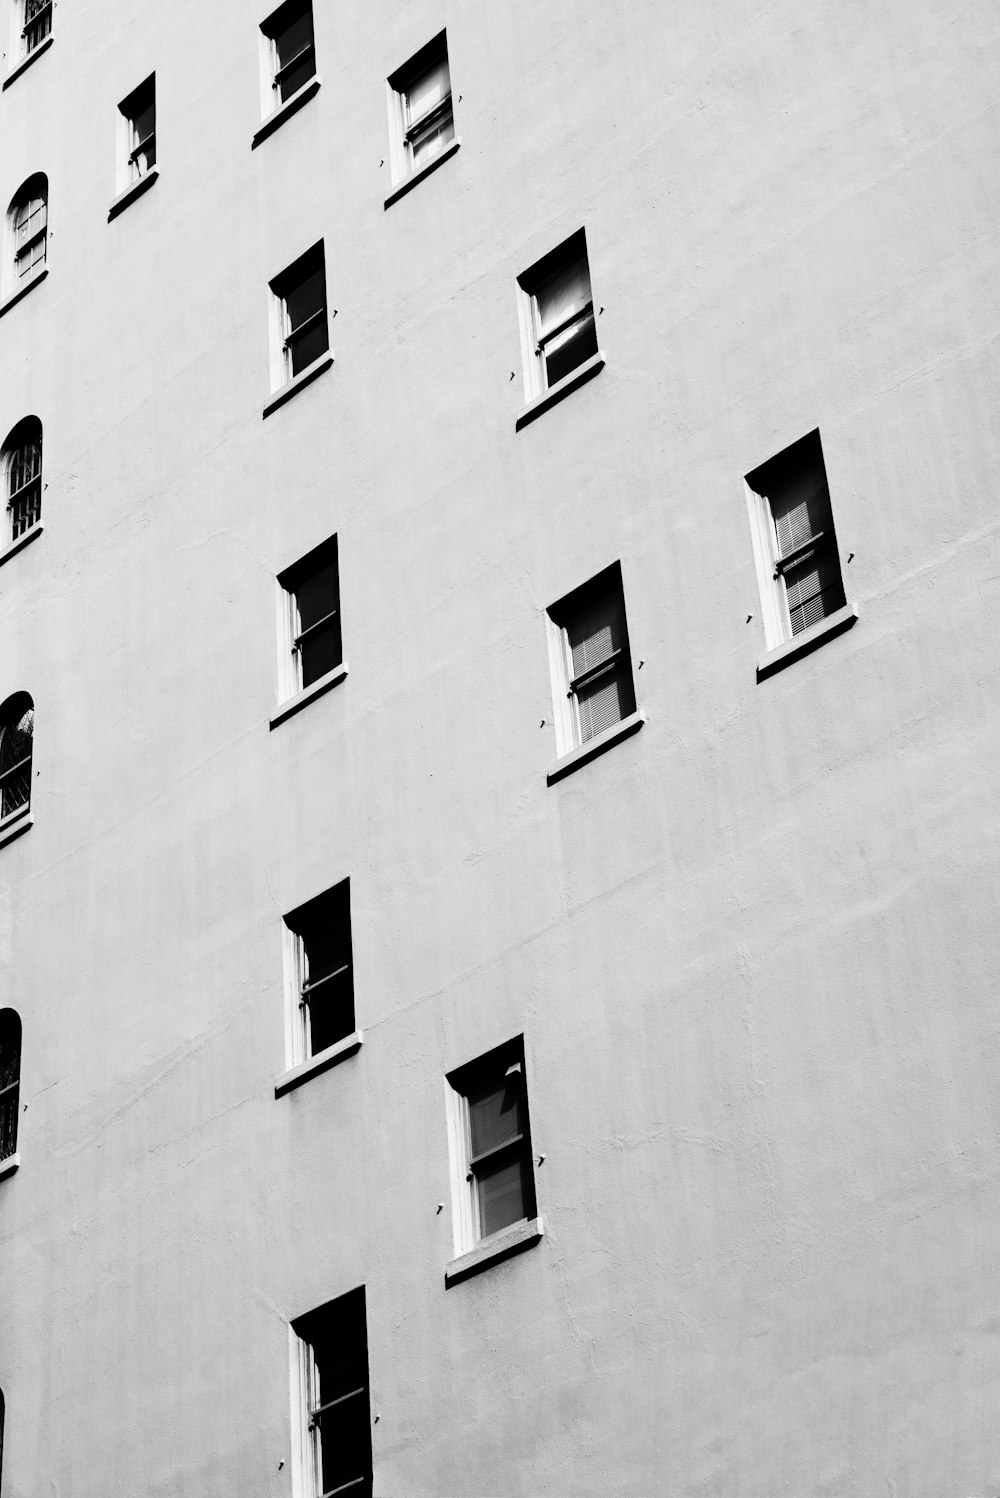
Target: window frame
x: 14, y: 284
x: 25, y: 433
x: 299, y: 1054
x: 530, y: 283
x: 770, y: 562
x: 565, y: 684
x: 130, y: 148
x: 290, y: 635
x: 10, y: 1092
x: 271, y: 66
x: 23, y: 26
x: 280, y: 287
x: 306, y: 1391
x: 504, y: 1060
x: 12, y: 713
x: 399, y: 86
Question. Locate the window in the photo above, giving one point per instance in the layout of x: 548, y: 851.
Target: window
x: 138, y: 114
x: 310, y: 593
x: 17, y: 720
x: 591, y: 661
x: 10, y: 1081
x: 794, y: 540
x: 299, y: 300
x: 322, y: 969
x: 37, y: 23
x: 557, y: 316
x: 290, y: 50
x: 27, y: 220
x: 22, y: 468
x: 331, y: 1371
x: 423, y: 120
x: 491, y: 1145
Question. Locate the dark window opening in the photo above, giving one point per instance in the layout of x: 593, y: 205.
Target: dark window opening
x: 302, y: 292
x: 10, y: 1080
x: 290, y: 30
x: 326, y: 994
x: 339, y: 1407
x: 807, y: 562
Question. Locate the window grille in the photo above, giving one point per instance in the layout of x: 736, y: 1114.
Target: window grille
x: 10, y: 1081
x: 337, y: 1409
x: 17, y: 721
x: 24, y: 477
x: 37, y: 23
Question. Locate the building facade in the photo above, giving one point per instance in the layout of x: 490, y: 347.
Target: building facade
x: 498, y: 653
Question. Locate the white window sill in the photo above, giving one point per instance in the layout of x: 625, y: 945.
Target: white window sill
x: 23, y: 540
x: 559, y: 391
x: 284, y: 111
x: 22, y: 291
x: 15, y: 825
x: 601, y: 742
x: 321, y: 1062
x: 810, y: 639
x: 134, y: 190
x: 304, y: 377
x: 493, y: 1250
x: 18, y: 68
x: 8, y: 1166
x: 308, y: 694
x: 410, y: 182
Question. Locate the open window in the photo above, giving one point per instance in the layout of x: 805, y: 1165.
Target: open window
x: 557, y: 316
x: 422, y: 117
x: 17, y: 724
x: 10, y: 1082
x: 299, y: 316
x: 21, y: 462
x: 289, y: 52
x: 331, y: 1396
x: 320, y: 963
x: 592, y: 683
x: 494, y: 1184
x: 138, y: 133
x: 312, y: 649
x: 795, y: 543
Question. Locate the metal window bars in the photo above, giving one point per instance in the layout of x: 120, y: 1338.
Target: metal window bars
x: 24, y: 494
x: 37, y: 23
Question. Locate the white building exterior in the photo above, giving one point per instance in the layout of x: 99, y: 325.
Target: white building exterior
x: 751, y: 949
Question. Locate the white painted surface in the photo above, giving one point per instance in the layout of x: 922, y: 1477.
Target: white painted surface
x: 752, y: 950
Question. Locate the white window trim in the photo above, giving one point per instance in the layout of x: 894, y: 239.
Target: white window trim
x: 463, y: 1211
x: 564, y: 710
x: 293, y: 967
x: 302, y: 1378
x: 18, y: 48
x: 773, y: 602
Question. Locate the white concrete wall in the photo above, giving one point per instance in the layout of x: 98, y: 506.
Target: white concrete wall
x: 752, y: 950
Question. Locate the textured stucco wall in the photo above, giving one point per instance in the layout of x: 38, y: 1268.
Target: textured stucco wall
x: 752, y: 950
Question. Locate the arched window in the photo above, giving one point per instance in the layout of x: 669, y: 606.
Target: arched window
x: 27, y: 218
x: 17, y: 721
x: 22, y: 471
x: 10, y: 1081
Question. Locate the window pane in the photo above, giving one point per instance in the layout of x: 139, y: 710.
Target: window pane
x: 605, y: 701
x: 506, y: 1194
x: 331, y: 1012
x: 345, y: 1446
x: 296, y: 41
x: 312, y: 343
x: 565, y: 292
x: 497, y: 1115
x: 143, y: 122
x: 317, y: 595
x: 596, y: 633
x: 305, y: 298
x: 570, y: 349
x: 426, y: 144
x: 321, y: 651
x: 814, y: 589
x: 427, y: 90
x: 800, y: 508
x: 29, y: 220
